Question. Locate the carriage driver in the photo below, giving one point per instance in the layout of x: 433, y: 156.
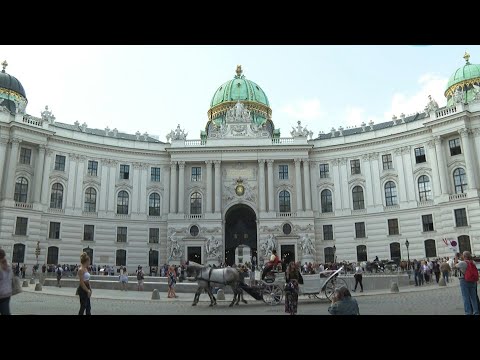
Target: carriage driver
x: 274, y: 260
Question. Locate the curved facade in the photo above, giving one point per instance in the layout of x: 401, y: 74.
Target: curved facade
x: 240, y: 190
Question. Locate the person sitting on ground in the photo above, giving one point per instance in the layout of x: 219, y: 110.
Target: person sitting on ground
x: 343, y: 303
x: 272, y: 264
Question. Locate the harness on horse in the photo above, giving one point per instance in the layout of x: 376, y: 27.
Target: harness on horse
x: 209, y: 277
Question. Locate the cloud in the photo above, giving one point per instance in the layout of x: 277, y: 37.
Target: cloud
x: 409, y: 103
x: 354, y: 115
x: 306, y: 109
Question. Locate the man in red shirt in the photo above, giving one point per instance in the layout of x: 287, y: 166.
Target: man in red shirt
x: 274, y: 260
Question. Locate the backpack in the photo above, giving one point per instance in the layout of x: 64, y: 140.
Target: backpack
x: 140, y: 275
x: 59, y: 272
x: 471, y: 274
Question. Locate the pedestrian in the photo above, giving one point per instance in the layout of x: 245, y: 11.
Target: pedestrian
x: 123, y: 278
x: 445, y: 269
x: 59, y: 275
x: 140, y: 277
x: 293, y: 277
x: 6, y: 277
x: 358, y: 277
x: 172, y: 281
x: 468, y: 277
x: 343, y: 303
x: 23, y: 270
x: 84, y: 289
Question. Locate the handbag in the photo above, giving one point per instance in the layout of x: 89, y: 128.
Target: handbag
x: 16, y: 285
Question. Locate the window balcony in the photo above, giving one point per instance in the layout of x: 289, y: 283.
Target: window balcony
x: 56, y: 211
x: 21, y: 205
x: 193, y: 216
x: 391, y: 208
x: 455, y: 197
x: 286, y: 214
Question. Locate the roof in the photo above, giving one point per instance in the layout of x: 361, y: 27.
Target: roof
x: 100, y: 132
x: 380, y: 126
x: 10, y: 82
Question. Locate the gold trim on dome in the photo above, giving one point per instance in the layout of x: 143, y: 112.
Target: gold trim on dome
x: 252, y: 105
x: 450, y: 91
x: 12, y: 93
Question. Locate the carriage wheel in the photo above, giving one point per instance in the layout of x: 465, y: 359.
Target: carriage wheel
x: 272, y: 294
x: 332, y: 284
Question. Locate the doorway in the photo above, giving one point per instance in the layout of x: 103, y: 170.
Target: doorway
x: 194, y: 253
x: 240, y: 229
x: 287, y: 254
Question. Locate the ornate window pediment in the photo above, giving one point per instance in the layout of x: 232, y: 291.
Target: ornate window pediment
x: 91, y: 182
x: 422, y: 171
x: 356, y: 180
x: 456, y: 163
x: 58, y: 176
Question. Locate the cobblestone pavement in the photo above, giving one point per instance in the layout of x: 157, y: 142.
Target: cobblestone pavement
x: 427, y: 300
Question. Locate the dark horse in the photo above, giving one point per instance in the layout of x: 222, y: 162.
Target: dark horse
x: 208, y: 277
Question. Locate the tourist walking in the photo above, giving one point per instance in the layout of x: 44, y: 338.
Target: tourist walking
x: 6, y: 278
x: 84, y: 289
x: 172, y: 281
x: 358, y: 277
x: 123, y: 278
x: 140, y: 277
x: 468, y: 278
x: 343, y: 303
x: 293, y: 277
x: 436, y: 270
x: 59, y: 275
x: 445, y: 269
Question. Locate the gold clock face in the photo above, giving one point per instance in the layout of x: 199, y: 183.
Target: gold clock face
x: 239, y: 190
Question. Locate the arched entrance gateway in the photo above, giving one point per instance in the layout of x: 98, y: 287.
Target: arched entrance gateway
x: 240, y: 234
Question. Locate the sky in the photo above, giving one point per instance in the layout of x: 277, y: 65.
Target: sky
x: 153, y: 88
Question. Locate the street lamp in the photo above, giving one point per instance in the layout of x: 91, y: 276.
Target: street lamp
x: 334, y: 254
x: 407, y: 244
x: 37, y: 251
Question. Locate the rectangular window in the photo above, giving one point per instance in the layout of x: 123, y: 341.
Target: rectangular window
x: 393, y: 227
x: 125, y: 172
x: 92, y: 168
x: 359, y: 230
x: 25, y: 155
x: 427, y: 221
x: 454, y: 146
x: 387, y: 161
x: 21, y: 226
x: 121, y: 234
x: 283, y: 172
x: 327, y: 232
x: 54, y: 231
x: 154, y: 235
x: 420, y: 155
x: 155, y: 174
x: 60, y: 162
x: 88, y: 232
x: 196, y: 173
x: 461, y: 217
x: 355, y: 166
x: 324, y: 171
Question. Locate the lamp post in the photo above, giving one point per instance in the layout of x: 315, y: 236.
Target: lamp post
x: 407, y: 244
x: 37, y: 251
x: 334, y: 254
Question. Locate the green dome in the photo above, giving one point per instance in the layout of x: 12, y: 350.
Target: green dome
x: 462, y: 82
x: 466, y: 72
x: 241, y: 89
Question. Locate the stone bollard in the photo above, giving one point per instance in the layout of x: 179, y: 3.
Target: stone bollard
x: 38, y: 287
x: 442, y: 282
x: 156, y: 294
x: 32, y: 281
x: 220, y: 294
x: 394, y: 287
x: 25, y: 283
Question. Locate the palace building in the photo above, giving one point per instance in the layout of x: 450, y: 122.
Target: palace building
x: 242, y: 188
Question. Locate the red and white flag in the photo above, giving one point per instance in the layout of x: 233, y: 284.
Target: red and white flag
x: 451, y: 244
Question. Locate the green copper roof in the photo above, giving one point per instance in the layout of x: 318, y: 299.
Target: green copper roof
x: 239, y: 89
x: 466, y: 72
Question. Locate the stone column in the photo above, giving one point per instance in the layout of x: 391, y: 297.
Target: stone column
x: 3, y: 152
x: 173, y: 187
x: 135, y: 187
x: 298, y: 185
x: 401, y: 177
x: 432, y: 155
x: 208, y: 194
x: 261, y: 185
x: 47, y: 168
x: 442, y: 168
x: 375, y: 174
x: 38, y: 175
x: 337, y: 194
x: 12, y: 169
x: 114, y: 174
x: 306, y: 184
x: 78, y: 203
x: 314, y: 175
x: 142, y: 202
x: 344, y: 183
x: 102, y: 197
x: 181, y: 187
x: 218, y: 186
x: 476, y: 134
x: 69, y: 192
x: 166, y: 192
x: 368, y: 179
x: 471, y: 178
x: 271, y: 199
x: 408, y: 173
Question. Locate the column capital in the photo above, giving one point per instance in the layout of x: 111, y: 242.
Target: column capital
x: 270, y: 163
x: 335, y: 162
x: 217, y: 163
x: 438, y: 140
x: 173, y: 164
x: 208, y: 162
x: 73, y: 157
x: 137, y: 165
x: 476, y: 131
x: 373, y: 156
x: 397, y: 151
x: 342, y: 161
x: 297, y: 162
x: 306, y: 161
x: 312, y: 163
x: 366, y: 157
x: 3, y: 141
x: 42, y: 147
x: 261, y: 161
x: 181, y: 164
x: 405, y: 150
x: 463, y: 132
x: 15, y: 141
x: 431, y: 144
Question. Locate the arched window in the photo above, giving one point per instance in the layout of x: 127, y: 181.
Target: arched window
x: 89, y: 252
x: 464, y: 243
x: 460, y: 181
x: 395, y: 253
x: 195, y: 203
x: 361, y: 253
x: 154, y: 205
x: 284, y: 201
x: 18, y: 253
x: 90, y: 204
x: 424, y: 188
x: 430, y: 248
x: 326, y: 200
x: 358, y: 202
x: 121, y: 257
x: 391, y: 193
x: 122, y: 202
x: 329, y: 254
x: 21, y: 190
x: 52, y: 255
x: 56, y: 198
